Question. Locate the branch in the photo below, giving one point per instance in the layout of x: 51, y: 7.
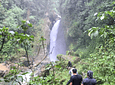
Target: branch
x: 3, y: 41
x: 27, y: 55
x: 38, y: 51
x: 43, y: 46
x: 40, y: 61
x: 18, y: 82
x: 44, y: 57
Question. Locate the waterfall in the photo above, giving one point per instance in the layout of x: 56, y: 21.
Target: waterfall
x: 57, y: 41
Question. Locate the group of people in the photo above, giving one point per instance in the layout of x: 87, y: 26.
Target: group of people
x: 76, y: 79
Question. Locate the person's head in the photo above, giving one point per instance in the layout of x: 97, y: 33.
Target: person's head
x: 74, y: 70
x: 90, y: 74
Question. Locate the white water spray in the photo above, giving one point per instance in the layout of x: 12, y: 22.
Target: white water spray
x: 57, y: 41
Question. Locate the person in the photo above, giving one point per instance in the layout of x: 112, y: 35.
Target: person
x: 69, y: 64
x: 75, y: 79
x: 89, y: 80
x: 70, y: 71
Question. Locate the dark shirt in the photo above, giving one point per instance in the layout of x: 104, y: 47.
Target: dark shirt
x: 89, y: 81
x: 75, y: 79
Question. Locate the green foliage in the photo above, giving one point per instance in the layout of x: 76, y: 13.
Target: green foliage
x: 8, y: 38
x: 104, y: 58
x: 13, y: 17
x: 5, y: 35
x: 56, y: 69
x: 71, y: 47
x: 14, y: 40
x: 44, y: 80
x: 98, y: 18
x: 13, y: 77
x: 25, y: 73
x: 42, y: 39
x: 80, y: 16
x: 20, y: 37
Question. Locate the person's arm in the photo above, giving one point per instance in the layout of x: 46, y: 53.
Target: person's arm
x: 95, y: 82
x: 82, y: 81
x: 68, y: 82
x: 70, y: 72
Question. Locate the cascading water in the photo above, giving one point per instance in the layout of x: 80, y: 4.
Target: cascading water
x: 57, y: 41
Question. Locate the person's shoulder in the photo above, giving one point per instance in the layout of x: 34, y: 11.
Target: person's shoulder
x: 72, y: 76
x: 94, y: 80
x: 86, y: 79
x: 79, y: 75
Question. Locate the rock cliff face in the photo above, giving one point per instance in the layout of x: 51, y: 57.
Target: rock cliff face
x: 49, y: 21
x: 46, y: 27
x: 46, y: 31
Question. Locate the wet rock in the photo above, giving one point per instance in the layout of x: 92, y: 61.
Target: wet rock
x: 2, y: 73
x: 25, y: 63
x: 3, y: 70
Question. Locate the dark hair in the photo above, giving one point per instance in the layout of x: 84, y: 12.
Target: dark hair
x: 90, y: 74
x: 74, y: 70
x: 69, y: 64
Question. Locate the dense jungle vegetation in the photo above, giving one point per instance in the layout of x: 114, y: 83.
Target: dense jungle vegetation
x: 90, y: 28
x: 89, y: 31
